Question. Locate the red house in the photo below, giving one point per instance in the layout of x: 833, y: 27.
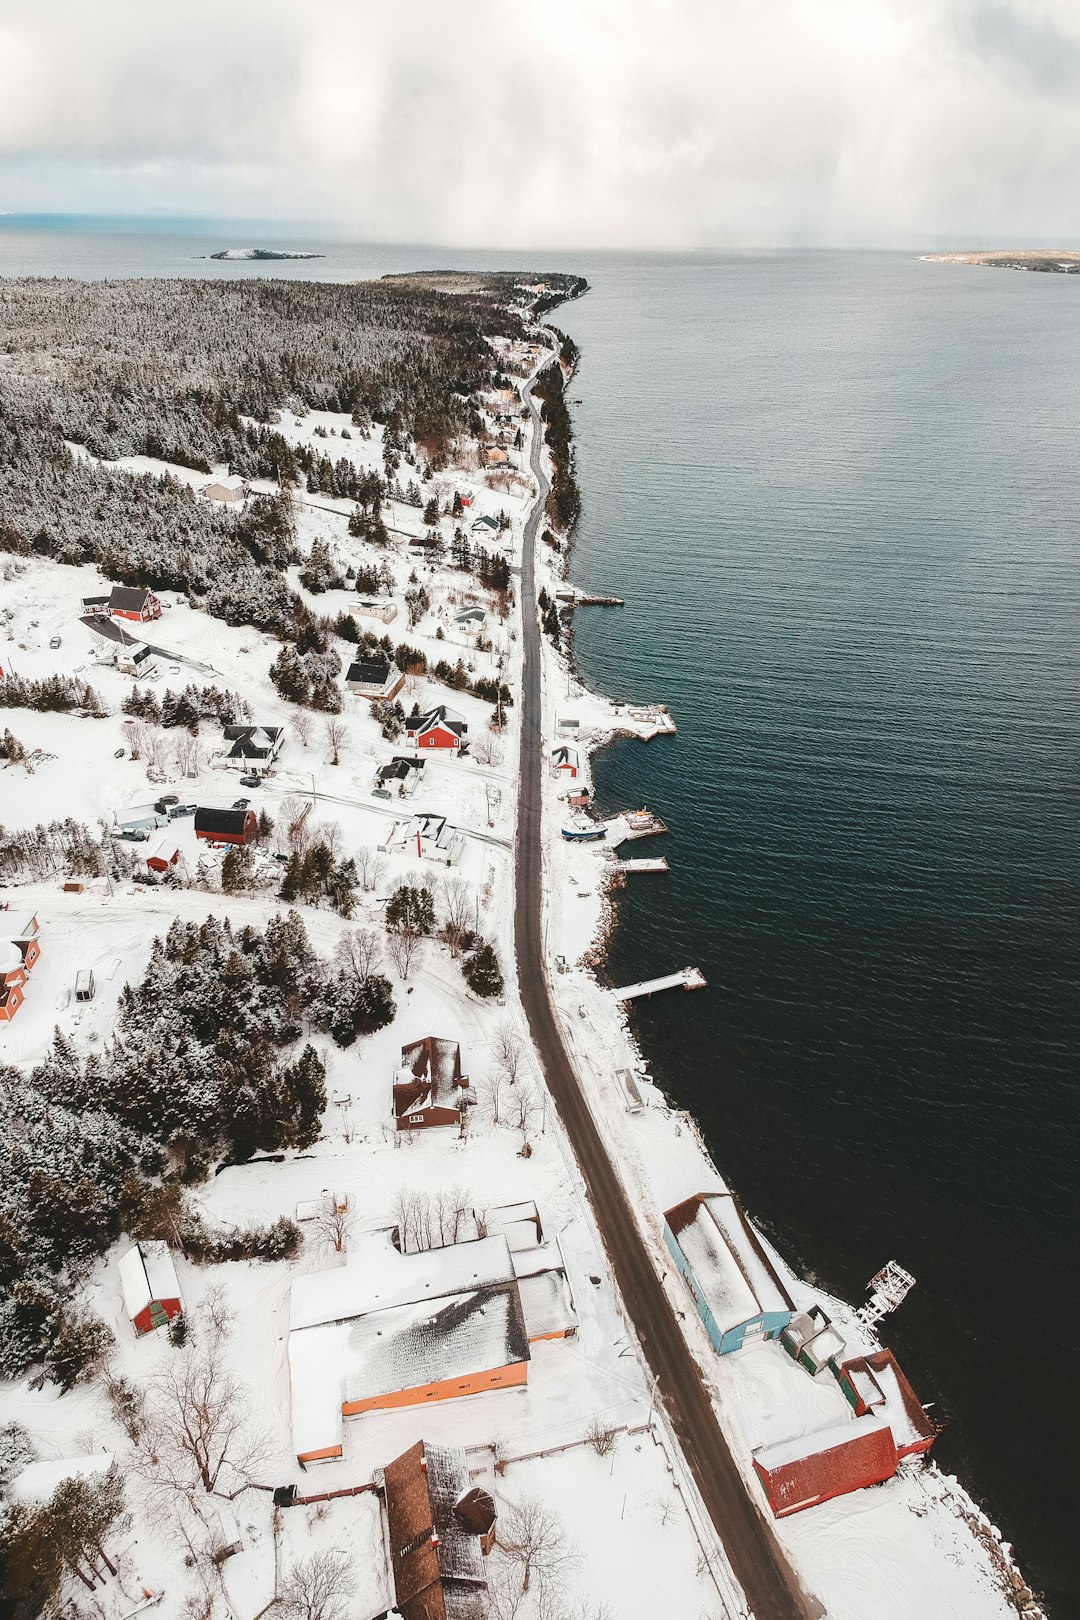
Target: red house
x: 12, y: 979
x: 134, y: 602
x: 814, y: 1468
x: 227, y: 826
x: 439, y: 728
x: 149, y: 1286
x: 430, y: 1088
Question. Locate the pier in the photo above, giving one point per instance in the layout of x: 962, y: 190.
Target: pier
x: 689, y: 978
x: 572, y: 597
x: 641, y: 823
x: 645, y: 865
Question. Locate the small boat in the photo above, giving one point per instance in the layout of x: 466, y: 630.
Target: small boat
x: 583, y: 831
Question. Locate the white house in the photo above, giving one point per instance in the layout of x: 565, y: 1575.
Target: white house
x: 251, y: 747
x: 398, y: 777
x: 471, y: 625
x: 370, y: 608
x: 428, y: 837
x: 225, y: 489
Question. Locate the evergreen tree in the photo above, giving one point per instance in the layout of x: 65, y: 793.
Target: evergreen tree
x: 482, y: 972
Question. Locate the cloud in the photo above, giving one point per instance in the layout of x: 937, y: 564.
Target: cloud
x: 652, y: 123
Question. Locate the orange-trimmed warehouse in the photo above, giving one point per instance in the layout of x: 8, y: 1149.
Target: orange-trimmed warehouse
x: 391, y: 1329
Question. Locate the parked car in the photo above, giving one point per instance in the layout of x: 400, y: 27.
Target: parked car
x: 168, y: 798
x: 250, y: 781
x: 134, y: 835
x: 182, y: 810
x: 241, y: 804
x: 119, y: 754
x: 54, y: 642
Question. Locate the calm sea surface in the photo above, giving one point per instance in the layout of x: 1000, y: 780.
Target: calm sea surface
x: 841, y: 495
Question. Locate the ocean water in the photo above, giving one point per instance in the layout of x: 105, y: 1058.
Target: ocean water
x: 840, y: 493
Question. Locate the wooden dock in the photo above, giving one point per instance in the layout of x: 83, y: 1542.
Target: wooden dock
x: 689, y: 978
x: 634, y: 824
x: 644, y: 865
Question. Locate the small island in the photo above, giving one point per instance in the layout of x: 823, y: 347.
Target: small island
x: 262, y: 253
x: 1060, y: 263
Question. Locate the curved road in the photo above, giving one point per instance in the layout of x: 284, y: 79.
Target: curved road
x: 755, y: 1556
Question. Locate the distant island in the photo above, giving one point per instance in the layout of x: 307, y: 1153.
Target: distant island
x: 262, y: 253
x: 1063, y: 263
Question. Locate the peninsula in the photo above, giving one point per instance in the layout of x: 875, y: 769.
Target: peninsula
x: 1053, y: 261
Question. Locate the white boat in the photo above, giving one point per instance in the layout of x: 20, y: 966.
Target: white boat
x: 581, y: 830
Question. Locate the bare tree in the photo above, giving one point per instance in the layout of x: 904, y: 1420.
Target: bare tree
x: 534, y: 1542
x: 457, y: 904
x: 155, y: 748
x: 301, y: 724
x: 369, y: 866
x: 486, y: 748
x: 318, y: 1587
x: 359, y: 953
x: 601, y: 1436
x: 337, y: 735
x: 135, y: 736
x: 509, y: 1049
x: 187, y: 754
x: 216, y: 1312
x: 404, y: 948
x: 293, y: 823
x: 198, y: 1429
x: 523, y: 1105
x: 334, y: 1224
x: 489, y: 1094
x: 330, y: 834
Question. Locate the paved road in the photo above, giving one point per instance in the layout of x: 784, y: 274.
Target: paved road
x: 759, y: 1564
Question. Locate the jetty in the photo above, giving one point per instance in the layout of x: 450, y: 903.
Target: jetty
x: 659, y: 864
x: 643, y: 823
x: 572, y: 597
x: 688, y: 978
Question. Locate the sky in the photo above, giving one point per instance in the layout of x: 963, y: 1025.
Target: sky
x: 679, y: 124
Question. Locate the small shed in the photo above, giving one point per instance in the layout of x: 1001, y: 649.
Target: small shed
x: 85, y: 988
x: 163, y: 854
x: 812, y: 1341
x: 149, y: 1285
x: 226, y: 826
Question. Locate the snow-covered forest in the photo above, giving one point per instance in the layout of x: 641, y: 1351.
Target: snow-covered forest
x: 193, y: 373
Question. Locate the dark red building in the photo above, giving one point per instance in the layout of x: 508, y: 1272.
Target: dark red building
x: 227, y: 826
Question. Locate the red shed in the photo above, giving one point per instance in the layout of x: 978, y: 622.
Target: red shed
x: 876, y: 1387
x: 227, y: 826
x: 815, y: 1467
x: 149, y: 1286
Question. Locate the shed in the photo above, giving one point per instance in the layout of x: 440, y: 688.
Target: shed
x: 226, y: 826
x: 814, y: 1468
x: 163, y: 853
x: 875, y: 1385
x: 812, y: 1341
x: 735, y: 1286
x: 149, y: 1285
x: 85, y: 988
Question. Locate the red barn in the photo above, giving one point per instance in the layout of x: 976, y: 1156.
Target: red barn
x: 134, y: 602
x: 876, y: 1387
x: 814, y: 1468
x: 439, y: 728
x: 149, y: 1286
x: 227, y: 826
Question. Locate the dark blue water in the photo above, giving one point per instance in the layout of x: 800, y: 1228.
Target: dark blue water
x: 841, y: 494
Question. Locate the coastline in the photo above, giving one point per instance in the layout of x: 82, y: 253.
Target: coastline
x: 661, y: 1153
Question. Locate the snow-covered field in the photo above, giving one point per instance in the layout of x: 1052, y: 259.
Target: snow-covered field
x: 638, y: 1533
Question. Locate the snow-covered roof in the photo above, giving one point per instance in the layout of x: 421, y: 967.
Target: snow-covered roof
x: 818, y: 1441
x: 429, y: 1544
x: 435, y: 1316
x: 880, y: 1381
x: 147, y: 1272
x: 232, y: 481
x: 39, y: 1480
x: 377, y: 1277
x: 547, y: 1304
x: 11, y: 958
x: 730, y: 1266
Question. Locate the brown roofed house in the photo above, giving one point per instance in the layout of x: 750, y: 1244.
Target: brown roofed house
x: 440, y: 1526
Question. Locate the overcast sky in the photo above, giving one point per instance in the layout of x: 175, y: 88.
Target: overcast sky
x: 650, y: 123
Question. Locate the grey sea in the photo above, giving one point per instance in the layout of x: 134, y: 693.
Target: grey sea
x: 840, y: 494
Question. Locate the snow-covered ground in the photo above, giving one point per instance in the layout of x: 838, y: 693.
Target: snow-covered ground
x: 903, y: 1550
